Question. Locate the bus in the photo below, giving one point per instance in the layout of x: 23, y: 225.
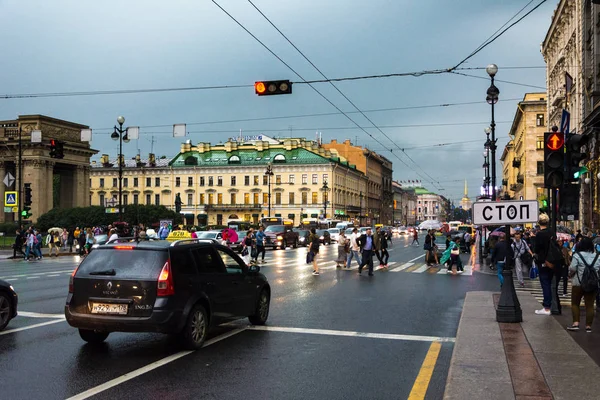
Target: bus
x: 268, y: 221
x: 309, y: 223
x: 238, y: 225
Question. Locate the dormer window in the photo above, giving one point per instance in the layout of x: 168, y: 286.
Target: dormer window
x: 191, y: 160
x: 234, y: 160
x: 279, y: 158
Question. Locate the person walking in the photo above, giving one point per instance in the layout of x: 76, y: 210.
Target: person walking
x: 499, y: 257
x: 343, y: 250
x: 354, y: 248
x: 32, y: 245
x: 415, y: 237
x: 260, y: 244
x: 18, y: 245
x: 520, y: 248
x: 377, y: 236
x: 385, y: 256
x: 55, y: 243
x: 315, y: 242
x: 367, y: 246
x: 541, y: 246
x: 586, y: 257
x: 247, y: 248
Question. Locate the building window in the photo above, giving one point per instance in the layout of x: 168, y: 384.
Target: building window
x: 540, y: 168
x: 125, y: 198
x: 419, y: 210
x: 201, y: 181
x: 177, y: 182
x: 539, y: 120
x: 101, y: 182
x: 256, y: 198
x: 247, y: 180
x: 265, y: 179
x: 304, y: 179
x: 233, y: 198
x: 539, y: 143
x: 148, y: 199
x: 315, y: 179
x: 211, y: 198
x: 292, y: 200
x: 102, y: 200
x: 190, y: 200
x: 219, y: 181
x: 278, y: 179
x: 115, y: 183
x: 135, y: 182
x: 292, y: 179
x: 304, y: 197
x: 255, y: 180
x: 201, y: 199
x: 233, y: 179
x: 265, y: 198
x: 136, y: 199
x: 125, y: 182
x: 278, y: 198
x: 246, y: 198
x: 190, y: 181
x: 219, y: 198
x: 210, y: 181
x: 156, y: 182
x: 315, y: 197
x: 157, y: 199
x: 325, y: 178
x: 148, y: 182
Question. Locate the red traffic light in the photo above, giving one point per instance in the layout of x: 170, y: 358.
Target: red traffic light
x: 555, y: 141
x: 259, y: 87
x: 267, y: 88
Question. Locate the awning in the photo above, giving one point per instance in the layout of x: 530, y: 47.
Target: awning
x: 255, y: 215
x: 278, y: 215
x: 188, y: 215
x: 291, y: 216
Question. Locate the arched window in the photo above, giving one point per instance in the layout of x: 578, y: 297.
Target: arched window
x: 234, y: 160
x: 191, y: 160
x: 279, y: 158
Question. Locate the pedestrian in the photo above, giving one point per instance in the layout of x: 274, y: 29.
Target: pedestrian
x: 112, y: 235
x: 260, y: 244
x: 247, y: 248
x: 38, y: 243
x: 315, y: 242
x: 567, y: 256
x: 367, y: 246
x: 64, y: 238
x: 89, y: 240
x: 343, y: 250
x: 541, y: 247
x: 49, y: 242
x: 18, y: 245
x: 500, y: 255
x: 520, y: 248
x: 428, y: 247
x: 415, y: 237
x: 71, y: 240
x: 467, y: 239
x: 32, y: 245
x: 385, y: 256
x: 586, y: 257
x: 377, y: 241
x: 55, y: 243
x: 354, y: 248
x: 163, y: 232
x: 451, y: 256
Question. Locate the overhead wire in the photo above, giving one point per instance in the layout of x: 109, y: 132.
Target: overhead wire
x: 499, y: 80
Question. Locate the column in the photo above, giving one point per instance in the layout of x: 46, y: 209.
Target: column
x: 3, y: 188
x: 79, y: 185
x: 49, y: 192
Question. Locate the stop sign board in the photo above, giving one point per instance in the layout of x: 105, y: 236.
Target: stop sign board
x: 555, y: 141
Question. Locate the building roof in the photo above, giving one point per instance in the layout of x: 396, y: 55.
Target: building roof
x: 160, y: 163
x: 422, y: 190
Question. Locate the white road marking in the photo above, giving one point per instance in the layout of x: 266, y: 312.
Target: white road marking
x: 36, y: 274
x: 331, y: 332
x: 402, y: 267
x: 416, y: 258
x: 30, y: 327
x: 421, y: 269
x: 40, y: 315
x: 33, y: 277
x: 53, y: 276
x: 140, y: 371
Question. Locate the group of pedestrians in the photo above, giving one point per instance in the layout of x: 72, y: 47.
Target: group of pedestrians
x: 363, y: 248
x: 253, y: 246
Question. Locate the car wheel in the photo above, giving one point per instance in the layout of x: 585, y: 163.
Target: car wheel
x: 295, y: 243
x: 5, y: 310
x: 195, y: 330
x: 93, y: 337
x: 284, y: 244
x: 262, y: 309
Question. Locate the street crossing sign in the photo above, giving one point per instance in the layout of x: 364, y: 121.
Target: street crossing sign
x: 11, y: 199
x: 505, y: 212
x: 9, y: 179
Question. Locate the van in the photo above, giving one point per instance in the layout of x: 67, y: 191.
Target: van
x: 344, y: 225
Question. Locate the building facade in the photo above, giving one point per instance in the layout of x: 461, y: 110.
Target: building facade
x: 378, y: 171
x: 217, y: 183
x: 429, y: 205
x: 523, y: 156
x: 405, y: 205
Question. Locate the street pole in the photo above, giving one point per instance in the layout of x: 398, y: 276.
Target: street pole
x: 120, y: 134
x: 492, y: 98
x: 20, y: 180
x: 269, y: 173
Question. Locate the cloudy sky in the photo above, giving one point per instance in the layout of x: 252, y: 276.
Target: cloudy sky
x: 66, y: 46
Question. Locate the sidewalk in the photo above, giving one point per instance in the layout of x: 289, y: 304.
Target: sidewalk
x: 536, y: 359
x: 8, y: 253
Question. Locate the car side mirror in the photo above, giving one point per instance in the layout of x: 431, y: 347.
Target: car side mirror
x: 254, y: 269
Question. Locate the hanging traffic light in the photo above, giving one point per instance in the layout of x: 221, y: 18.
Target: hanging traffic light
x: 56, y: 149
x: 574, y: 156
x: 554, y: 159
x: 53, y: 148
x: 27, y: 194
x: 268, y: 88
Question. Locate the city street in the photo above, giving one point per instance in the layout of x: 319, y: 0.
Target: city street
x: 338, y: 335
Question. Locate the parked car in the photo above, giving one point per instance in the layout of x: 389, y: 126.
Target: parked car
x: 402, y: 230
x: 8, y: 303
x: 335, y: 234
x: 324, y: 236
x: 281, y: 236
x: 179, y: 287
x: 217, y: 235
x: 302, y: 236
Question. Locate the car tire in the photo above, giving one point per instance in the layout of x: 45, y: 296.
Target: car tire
x: 93, y: 337
x: 196, y: 328
x: 262, y: 309
x: 283, y: 244
x: 295, y: 245
x: 6, y: 311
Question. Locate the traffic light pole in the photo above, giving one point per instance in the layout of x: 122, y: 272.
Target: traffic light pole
x: 20, y: 179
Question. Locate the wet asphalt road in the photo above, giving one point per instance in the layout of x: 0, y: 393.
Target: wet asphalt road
x: 335, y: 336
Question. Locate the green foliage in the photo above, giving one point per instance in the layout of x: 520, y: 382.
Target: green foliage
x: 8, y: 228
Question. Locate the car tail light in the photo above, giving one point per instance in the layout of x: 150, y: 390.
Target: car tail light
x: 124, y: 247
x: 165, y: 281
x: 71, y: 279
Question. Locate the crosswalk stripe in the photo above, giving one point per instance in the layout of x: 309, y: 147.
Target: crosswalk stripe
x: 421, y: 269
x: 411, y: 269
x: 402, y: 267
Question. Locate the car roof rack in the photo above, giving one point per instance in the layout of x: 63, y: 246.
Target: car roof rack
x: 193, y: 240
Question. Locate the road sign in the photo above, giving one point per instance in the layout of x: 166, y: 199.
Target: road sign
x: 9, y: 179
x: 555, y: 141
x: 505, y: 212
x: 11, y: 199
x: 112, y: 210
x: 7, y: 209
x: 110, y: 202
x: 15, y: 209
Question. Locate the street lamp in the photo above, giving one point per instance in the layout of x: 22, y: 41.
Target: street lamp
x: 120, y: 134
x: 269, y: 173
x: 492, y: 98
x: 325, y: 189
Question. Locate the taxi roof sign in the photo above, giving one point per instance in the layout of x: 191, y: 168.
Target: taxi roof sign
x: 555, y: 141
x: 178, y: 235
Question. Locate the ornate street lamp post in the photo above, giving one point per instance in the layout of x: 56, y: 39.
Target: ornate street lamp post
x: 325, y: 189
x: 492, y: 98
x: 120, y: 134
x: 269, y: 173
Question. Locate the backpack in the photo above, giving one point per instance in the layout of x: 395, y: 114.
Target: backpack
x: 554, y: 257
x: 589, y: 279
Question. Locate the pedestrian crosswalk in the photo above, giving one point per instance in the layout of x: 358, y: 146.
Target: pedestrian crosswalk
x: 534, y: 287
x: 424, y: 268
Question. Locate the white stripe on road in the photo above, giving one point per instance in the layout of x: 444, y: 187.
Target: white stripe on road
x: 416, y: 258
x: 30, y: 327
x: 421, y: 269
x: 402, y: 267
x: 40, y: 315
x: 331, y: 332
x: 37, y: 273
x: 140, y: 371
x: 33, y: 277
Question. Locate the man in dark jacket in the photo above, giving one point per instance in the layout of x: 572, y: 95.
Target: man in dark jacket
x: 500, y: 256
x: 18, y: 246
x: 367, y: 247
x: 541, y: 244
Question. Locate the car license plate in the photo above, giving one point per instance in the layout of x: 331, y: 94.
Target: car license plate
x: 104, y: 308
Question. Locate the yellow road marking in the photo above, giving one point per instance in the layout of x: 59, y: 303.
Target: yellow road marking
x: 421, y: 384
x: 433, y: 270
x: 414, y: 267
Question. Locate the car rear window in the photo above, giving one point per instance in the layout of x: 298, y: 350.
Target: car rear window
x: 126, y: 263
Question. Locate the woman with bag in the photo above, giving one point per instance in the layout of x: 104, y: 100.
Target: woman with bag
x: 583, y: 272
x: 315, y: 242
x: 343, y: 250
x: 523, y: 256
x: 246, y: 247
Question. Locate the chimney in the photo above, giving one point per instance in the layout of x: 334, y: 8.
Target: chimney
x: 151, y: 160
x: 104, y: 160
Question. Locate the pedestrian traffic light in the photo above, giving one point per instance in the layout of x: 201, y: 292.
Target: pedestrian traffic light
x: 569, y: 202
x: 178, y: 203
x: 56, y: 149
x: 553, y: 159
x: 574, y: 155
x: 53, y: 148
x: 268, y: 88
x: 26, y: 213
x: 544, y: 207
x: 27, y: 194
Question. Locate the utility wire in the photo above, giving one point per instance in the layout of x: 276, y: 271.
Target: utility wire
x: 500, y: 80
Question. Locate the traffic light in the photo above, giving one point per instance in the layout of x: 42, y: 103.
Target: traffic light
x: 544, y: 207
x: 268, y: 88
x: 178, y: 203
x: 574, y: 155
x: 554, y: 159
x: 53, y: 148
x: 56, y: 149
x: 27, y: 194
x: 26, y: 213
x: 569, y: 202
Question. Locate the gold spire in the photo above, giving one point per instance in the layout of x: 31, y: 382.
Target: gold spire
x: 466, y: 192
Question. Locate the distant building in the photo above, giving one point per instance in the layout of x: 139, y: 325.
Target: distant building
x: 405, y: 205
x: 465, y: 202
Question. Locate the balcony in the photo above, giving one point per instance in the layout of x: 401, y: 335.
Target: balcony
x: 516, y: 163
x: 520, y: 179
x: 513, y: 187
x: 504, y: 182
x: 232, y: 207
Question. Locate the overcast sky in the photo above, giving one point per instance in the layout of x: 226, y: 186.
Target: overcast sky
x: 63, y: 46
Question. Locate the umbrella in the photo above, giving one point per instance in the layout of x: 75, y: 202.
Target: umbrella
x: 52, y: 230
x: 232, y: 235
x: 563, y: 236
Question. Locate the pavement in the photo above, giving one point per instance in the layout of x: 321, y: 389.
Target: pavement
x: 535, y: 359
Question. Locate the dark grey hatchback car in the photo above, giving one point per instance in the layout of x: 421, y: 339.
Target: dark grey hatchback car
x: 183, y: 288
